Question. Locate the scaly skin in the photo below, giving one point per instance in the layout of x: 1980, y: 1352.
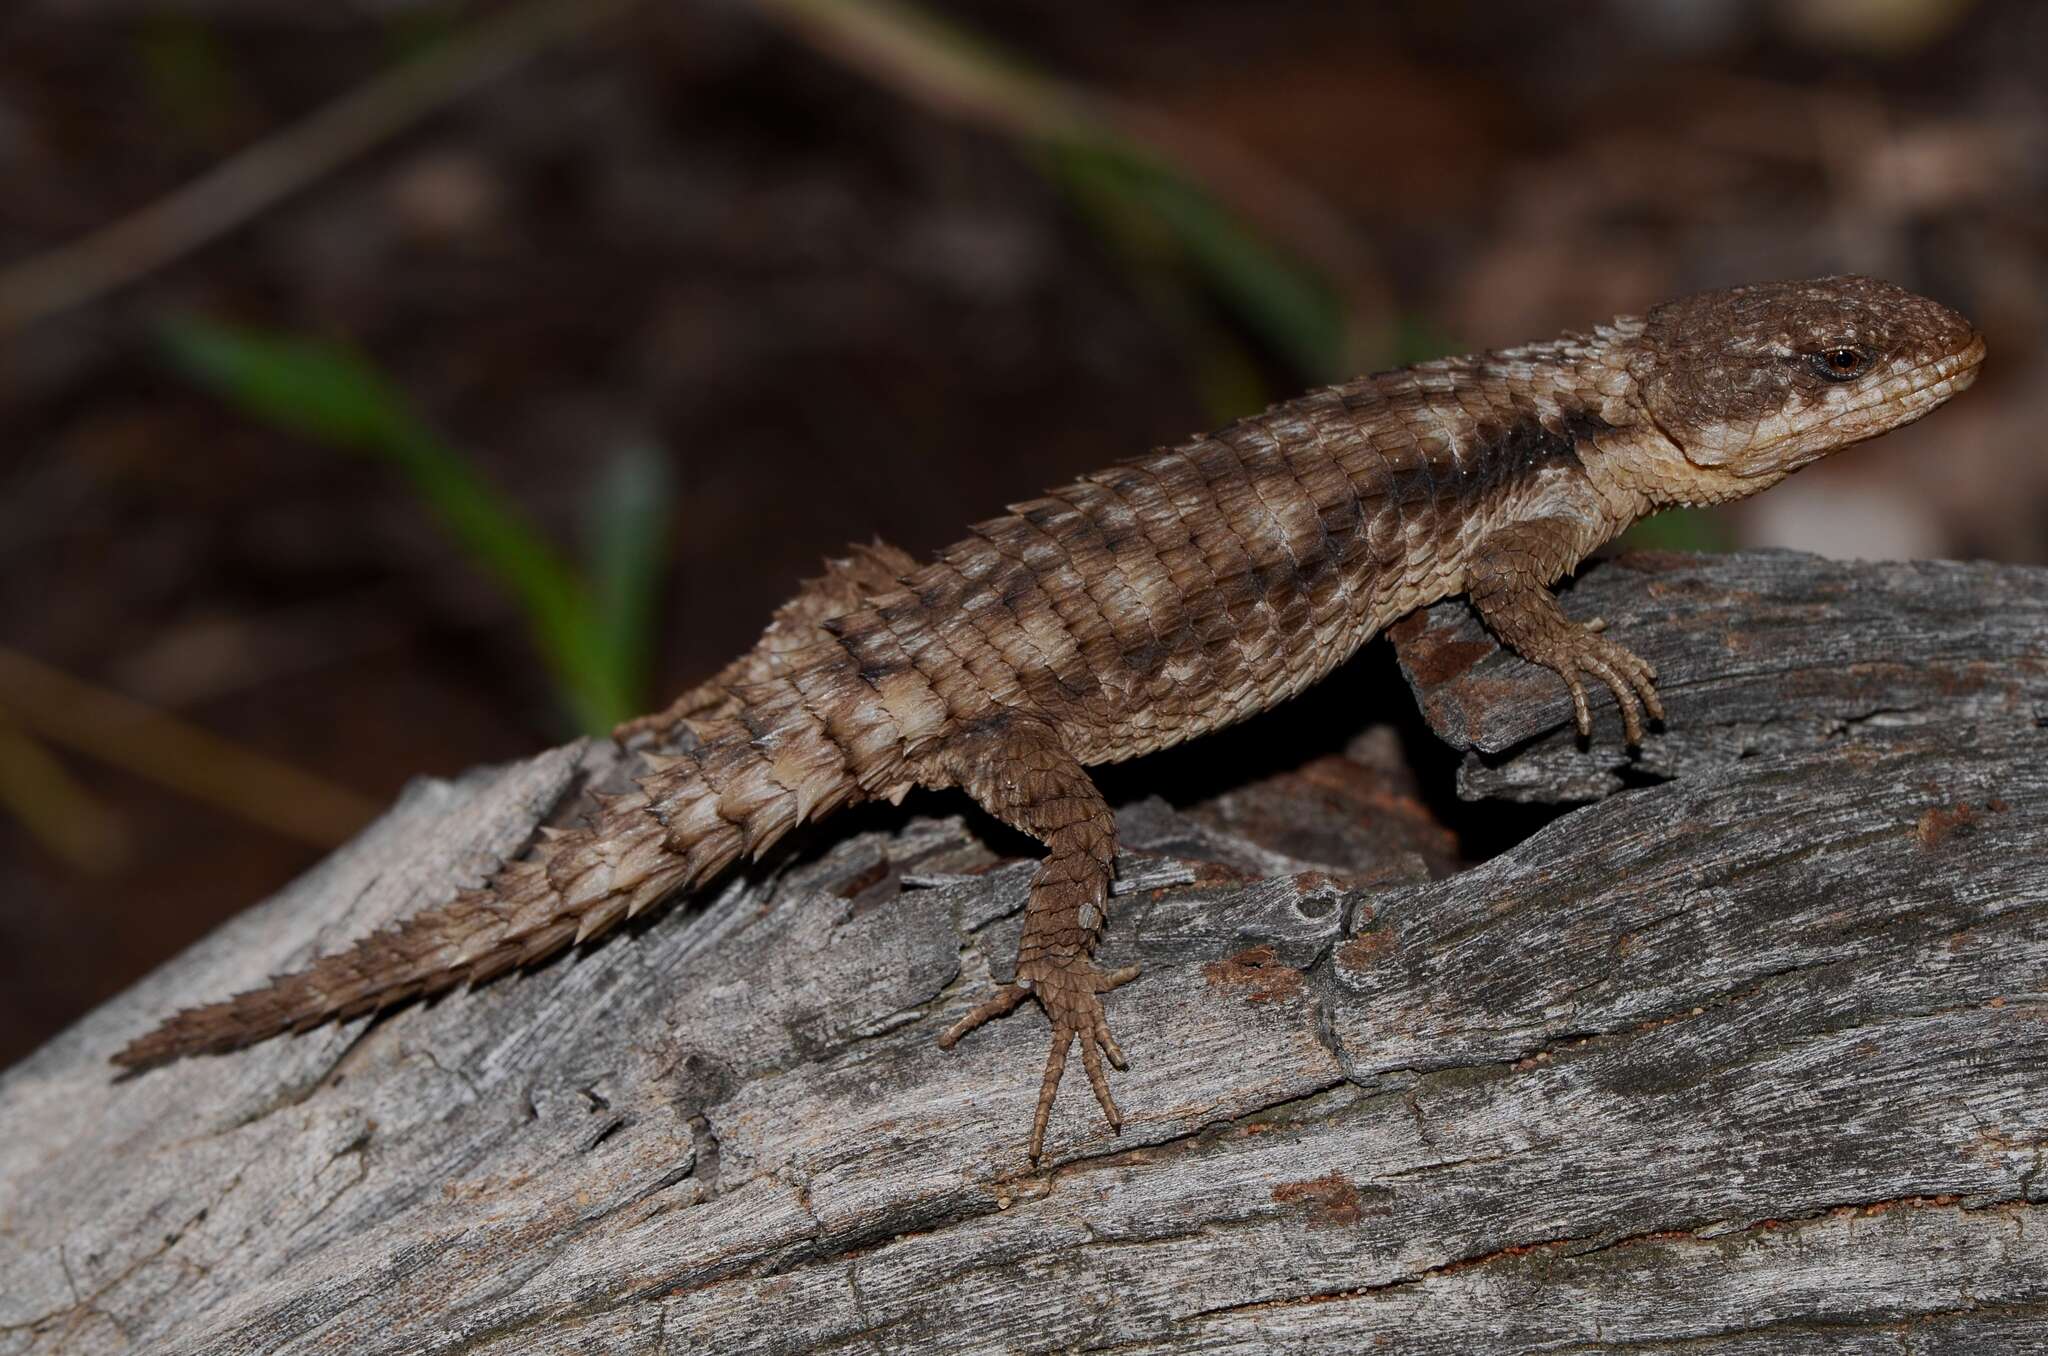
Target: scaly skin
x: 1169, y: 596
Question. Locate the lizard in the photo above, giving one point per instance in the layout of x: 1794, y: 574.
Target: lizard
x: 1161, y: 599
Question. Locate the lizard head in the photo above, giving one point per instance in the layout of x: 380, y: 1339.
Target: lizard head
x: 1755, y: 382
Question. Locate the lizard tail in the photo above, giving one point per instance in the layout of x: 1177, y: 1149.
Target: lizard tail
x: 796, y: 748
x: 849, y: 583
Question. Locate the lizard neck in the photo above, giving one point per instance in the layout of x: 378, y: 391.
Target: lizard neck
x: 1641, y: 468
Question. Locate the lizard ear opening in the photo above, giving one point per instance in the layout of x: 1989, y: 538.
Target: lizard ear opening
x: 1702, y: 402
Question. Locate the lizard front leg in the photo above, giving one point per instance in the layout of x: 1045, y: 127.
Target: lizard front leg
x: 1509, y: 583
x: 1016, y: 768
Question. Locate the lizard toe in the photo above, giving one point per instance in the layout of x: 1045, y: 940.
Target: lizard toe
x: 1624, y: 696
x: 1049, y: 1087
x: 999, y: 1004
x: 1091, y: 1062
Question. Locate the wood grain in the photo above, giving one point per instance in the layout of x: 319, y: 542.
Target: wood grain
x: 1744, y: 1056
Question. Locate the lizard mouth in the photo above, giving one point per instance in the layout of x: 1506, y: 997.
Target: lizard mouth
x: 1964, y: 365
x: 1932, y: 384
x: 1934, y: 381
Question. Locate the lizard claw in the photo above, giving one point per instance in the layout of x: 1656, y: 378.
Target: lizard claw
x: 1071, y: 995
x: 1626, y: 674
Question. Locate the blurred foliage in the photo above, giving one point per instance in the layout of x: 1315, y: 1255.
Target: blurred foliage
x: 1149, y: 202
x: 1886, y: 28
x: 1414, y: 339
x: 593, y: 628
x: 1679, y: 530
x: 414, y: 30
x: 626, y: 522
x: 45, y: 799
x: 191, y: 77
x: 1146, y: 205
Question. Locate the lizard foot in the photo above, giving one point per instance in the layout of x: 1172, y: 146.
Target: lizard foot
x: 1583, y: 649
x: 1071, y: 995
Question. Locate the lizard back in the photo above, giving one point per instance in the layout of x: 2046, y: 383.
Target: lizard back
x: 1175, y: 593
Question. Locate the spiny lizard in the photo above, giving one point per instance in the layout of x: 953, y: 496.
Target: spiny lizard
x: 1166, y: 597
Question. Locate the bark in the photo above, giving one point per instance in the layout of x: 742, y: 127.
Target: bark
x: 1744, y: 1054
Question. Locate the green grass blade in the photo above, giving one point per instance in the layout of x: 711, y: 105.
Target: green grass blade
x: 1289, y: 307
x: 1151, y: 200
x: 329, y: 394
x: 628, y: 517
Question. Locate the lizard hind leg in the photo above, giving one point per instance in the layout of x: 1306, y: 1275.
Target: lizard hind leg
x: 1018, y: 771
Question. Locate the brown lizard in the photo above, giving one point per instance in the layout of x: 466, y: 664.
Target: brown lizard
x: 1166, y: 597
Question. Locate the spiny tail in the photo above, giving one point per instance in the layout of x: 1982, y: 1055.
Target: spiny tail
x: 862, y: 575
x: 795, y: 748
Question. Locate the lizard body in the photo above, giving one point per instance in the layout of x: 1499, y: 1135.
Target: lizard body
x: 1168, y: 596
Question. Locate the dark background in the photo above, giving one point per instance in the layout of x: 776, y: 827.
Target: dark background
x: 834, y: 300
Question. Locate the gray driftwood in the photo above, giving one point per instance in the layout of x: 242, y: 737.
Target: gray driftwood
x: 1751, y: 1057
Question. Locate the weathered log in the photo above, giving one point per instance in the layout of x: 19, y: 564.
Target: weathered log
x: 1746, y: 1055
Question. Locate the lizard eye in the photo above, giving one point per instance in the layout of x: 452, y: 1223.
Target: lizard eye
x: 1839, y: 364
